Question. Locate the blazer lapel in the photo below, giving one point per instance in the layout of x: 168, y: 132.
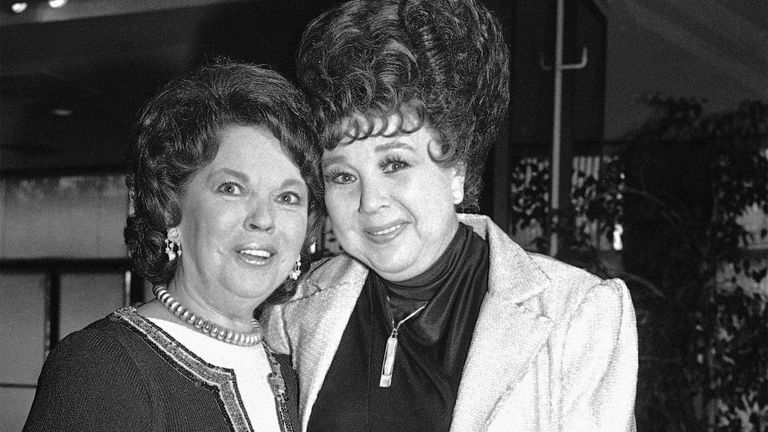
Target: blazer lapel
x: 322, y: 323
x: 507, y: 336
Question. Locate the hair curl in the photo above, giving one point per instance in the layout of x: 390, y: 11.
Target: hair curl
x: 178, y: 134
x: 443, y: 60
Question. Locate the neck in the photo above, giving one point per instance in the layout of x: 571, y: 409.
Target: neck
x: 235, y: 315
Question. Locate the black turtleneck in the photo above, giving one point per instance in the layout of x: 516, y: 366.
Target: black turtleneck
x: 432, y: 346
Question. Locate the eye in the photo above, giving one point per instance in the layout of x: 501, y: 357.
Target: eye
x: 339, y: 177
x: 393, y: 165
x: 230, y: 188
x: 291, y: 198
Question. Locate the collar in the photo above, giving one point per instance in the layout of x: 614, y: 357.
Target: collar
x: 513, y: 273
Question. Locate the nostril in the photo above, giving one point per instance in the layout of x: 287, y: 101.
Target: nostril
x: 260, y: 218
x: 263, y: 227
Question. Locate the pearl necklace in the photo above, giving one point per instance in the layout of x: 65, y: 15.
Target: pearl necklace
x: 204, y: 326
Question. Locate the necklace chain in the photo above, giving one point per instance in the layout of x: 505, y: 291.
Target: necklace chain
x: 203, y: 325
x: 396, y: 327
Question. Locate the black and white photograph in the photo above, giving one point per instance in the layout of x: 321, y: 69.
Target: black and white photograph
x: 384, y: 215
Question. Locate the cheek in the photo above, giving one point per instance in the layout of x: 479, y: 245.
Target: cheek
x: 339, y: 205
x: 341, y: 213
x: 439, y: 191
x: 295, y: 226
x: 200, y: 224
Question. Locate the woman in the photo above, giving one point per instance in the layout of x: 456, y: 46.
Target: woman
x: 433, y: 320
x: 223, y: 179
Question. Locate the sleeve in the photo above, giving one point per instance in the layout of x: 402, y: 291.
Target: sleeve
x: 275, y: 332
x: 600, y: 362
x: 90, y: 383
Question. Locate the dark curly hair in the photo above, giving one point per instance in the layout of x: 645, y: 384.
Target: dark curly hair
x: 178, y: 134
x: 443, y: 60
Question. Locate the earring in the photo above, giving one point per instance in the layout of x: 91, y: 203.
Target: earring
x: 172, y: 246
x: 458, y: 196
x: 296, y: 271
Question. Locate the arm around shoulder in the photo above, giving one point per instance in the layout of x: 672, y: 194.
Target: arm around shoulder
x: 599, y: 365
x: 90, y: 382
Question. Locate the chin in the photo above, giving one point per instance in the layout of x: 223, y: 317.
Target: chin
x: 391, y: 268
x: 250, y: 287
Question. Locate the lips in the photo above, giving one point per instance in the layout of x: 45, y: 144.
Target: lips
x: 256, y: 255
x: 384, y: 233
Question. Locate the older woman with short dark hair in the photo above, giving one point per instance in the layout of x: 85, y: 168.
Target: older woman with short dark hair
x: 432, y: 320
x: 225, y: 184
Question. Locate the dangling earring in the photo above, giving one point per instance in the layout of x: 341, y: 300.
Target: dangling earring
x: 172, y: 246
x: 296, y: 271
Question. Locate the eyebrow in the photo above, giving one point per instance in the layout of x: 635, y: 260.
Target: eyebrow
x: 332, y: 160
x: 231, y: 172
x: 245, y: 178
x: 294, y: 182
x: 393, y: 145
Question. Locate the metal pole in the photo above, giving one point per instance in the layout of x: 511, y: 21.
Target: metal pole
x: 554, y: 196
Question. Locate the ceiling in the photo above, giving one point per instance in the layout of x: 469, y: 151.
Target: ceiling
x: 72, y: 79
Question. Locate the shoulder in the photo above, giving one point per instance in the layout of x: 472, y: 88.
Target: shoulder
x: 549, y: 275
x: 88, y: 373
x: 560, y: 273
x: 101, y: 338
x: 573, y: 292
x: 88, y: 355
x: 331, y: 273
x: 330, y: 290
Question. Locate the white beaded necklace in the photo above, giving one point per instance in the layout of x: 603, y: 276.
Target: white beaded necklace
x: 204, y: 326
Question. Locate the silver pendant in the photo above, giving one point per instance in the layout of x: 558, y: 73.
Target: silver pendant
x: 389, y: 361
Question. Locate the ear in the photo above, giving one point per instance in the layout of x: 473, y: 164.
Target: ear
x: 458, y: 175
x: 171, y: 226
x: 168, y: 219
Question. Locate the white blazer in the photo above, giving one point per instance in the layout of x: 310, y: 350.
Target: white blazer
x: 554, y: 347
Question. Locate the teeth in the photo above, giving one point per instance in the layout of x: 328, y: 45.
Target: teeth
x: 386, y: 231
x: 257, y: 253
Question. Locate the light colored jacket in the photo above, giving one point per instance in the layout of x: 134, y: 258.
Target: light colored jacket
x: 554, y: 347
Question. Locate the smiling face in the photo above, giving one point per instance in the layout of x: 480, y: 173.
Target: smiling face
x: 244, y: 218
x: 391, y: 205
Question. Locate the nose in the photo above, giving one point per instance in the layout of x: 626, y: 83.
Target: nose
x: 372, y: 197
x: 261, y: 217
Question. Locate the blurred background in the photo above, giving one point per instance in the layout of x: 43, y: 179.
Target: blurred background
x: 647, y: 140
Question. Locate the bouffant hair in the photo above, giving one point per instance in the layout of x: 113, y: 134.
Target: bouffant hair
x: 444, y: 61
x: 178, y: 133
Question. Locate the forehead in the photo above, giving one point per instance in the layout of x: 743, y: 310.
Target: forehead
x: 251, y: 148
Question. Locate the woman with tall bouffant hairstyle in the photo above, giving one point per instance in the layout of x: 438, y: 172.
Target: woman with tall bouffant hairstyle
x: 225, y: 186
x: 432, y: 320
